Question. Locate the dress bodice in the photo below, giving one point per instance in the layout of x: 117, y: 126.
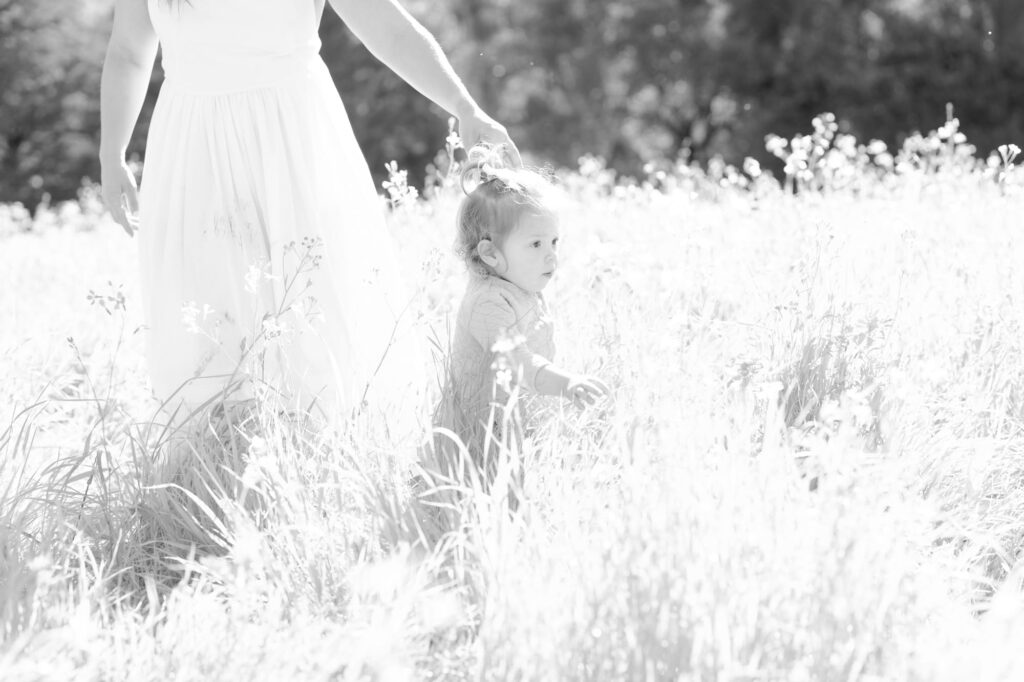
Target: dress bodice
x: 218, y: 46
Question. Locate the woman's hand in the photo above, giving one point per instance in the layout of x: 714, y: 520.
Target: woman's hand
x: 476, y: 126
x: 396, y: 38
x: 121, y: 194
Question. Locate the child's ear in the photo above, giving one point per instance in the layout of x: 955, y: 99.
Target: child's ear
x: 488, y: 252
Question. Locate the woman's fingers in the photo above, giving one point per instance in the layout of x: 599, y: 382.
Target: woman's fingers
x: 499, y: 137
x: 121, y: 196
x: 131, y: 197
x: 115, y: 207
x: 482, y: 128
x: 130, y: 208
x: 509, y: 147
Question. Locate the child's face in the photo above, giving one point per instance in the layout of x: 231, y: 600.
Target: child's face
x: 530, y: 252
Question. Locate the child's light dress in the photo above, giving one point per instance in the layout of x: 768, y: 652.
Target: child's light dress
x: 494, y: 313
x: 265, y: 261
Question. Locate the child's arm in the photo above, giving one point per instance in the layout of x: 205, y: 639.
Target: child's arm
x: 493, y: 324
x: 582, y: 390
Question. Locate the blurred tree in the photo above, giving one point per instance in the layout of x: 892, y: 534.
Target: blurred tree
x: 631, y: 80
x: 390, y: 119
x: 48, y: 107
x: 678, y: 95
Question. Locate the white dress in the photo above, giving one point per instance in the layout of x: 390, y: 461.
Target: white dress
x: 265, y: 262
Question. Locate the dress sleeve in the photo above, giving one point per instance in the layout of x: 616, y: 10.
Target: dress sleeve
x: 494, y: 319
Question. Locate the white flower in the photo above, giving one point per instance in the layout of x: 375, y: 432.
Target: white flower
x: 884, y: 160
x: 1008, y: 152
x: 192, y: 315
x: 258, y: 272
x: 274, y: 328
x: 776, y: 145
x: 947, y: 131
x: 507, y: 344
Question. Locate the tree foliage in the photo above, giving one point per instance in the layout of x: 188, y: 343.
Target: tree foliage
x: 49, y: 52
x: 630, y: 80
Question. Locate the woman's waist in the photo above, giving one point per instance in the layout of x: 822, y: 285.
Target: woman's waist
x: 223, y: 73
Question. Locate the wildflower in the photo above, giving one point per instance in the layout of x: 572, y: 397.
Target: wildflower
x: 591, y: 166
x: 885, y: 160
x: 274, y: 328
x: 308, y: 308
x: 825, y: 125
x: 501, y: 367
x: 835, y: 160
x: 258, y: 464
x: 847, y: 144
x: 949, y: 130
x: 453, y: 141
x: 776, y: 145
x: 258, y: 446
x: 258, y: 272
x: 802, y: 144
x: 770, y: 390
x: 876, y: 147
x: 397, y: 185
x: 1008, y: 152
x: 503, y: 375
x: 192, y: 315
x: 248, y: 550
x: 795, y: 164
x: 507, y: 344
x: 751, y: 167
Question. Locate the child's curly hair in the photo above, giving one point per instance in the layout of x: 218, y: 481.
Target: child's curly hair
x: 497, y: 197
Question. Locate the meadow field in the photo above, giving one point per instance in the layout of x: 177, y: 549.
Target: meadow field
x: 812, y: 467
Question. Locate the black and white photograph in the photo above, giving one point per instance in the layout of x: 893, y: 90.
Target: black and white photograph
x: 533, y: 340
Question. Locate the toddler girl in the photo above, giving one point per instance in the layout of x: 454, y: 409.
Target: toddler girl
x: 508, y: 234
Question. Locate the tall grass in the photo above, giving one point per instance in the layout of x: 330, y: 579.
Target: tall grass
x: 810, y: 469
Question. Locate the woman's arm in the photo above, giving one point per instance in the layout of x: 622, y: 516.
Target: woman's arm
x: 126, y: 72
x: 407, y: 48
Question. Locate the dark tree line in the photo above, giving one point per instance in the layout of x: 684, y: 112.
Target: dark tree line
x: 630, y: 80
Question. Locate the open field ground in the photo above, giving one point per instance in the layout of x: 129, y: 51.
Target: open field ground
x: 812, y: 468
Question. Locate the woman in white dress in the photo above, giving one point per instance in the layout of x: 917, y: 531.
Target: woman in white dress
x: 265, y: 263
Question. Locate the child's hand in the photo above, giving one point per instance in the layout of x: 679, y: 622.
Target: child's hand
x: 584, y: 391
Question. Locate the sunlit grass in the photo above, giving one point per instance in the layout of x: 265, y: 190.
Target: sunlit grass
x: 811, y: 468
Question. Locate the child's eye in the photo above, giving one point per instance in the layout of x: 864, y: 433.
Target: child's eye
x: 535, y: 244
x: 554, y: 242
